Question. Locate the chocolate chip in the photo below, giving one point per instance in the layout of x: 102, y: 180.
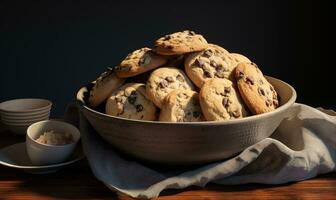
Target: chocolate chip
x: 207, y: 53
x: 196, y: 62
x: 139, y: 108
x: 226, y: 102
x: 190, y: 32
x: 240, y: 75
x: 167, y: 37
x: 196, y: 114
x: 145, y: 60
x: 269, y: 102
x: 261, y: 91
x: 207, y: 74
x: 220, y: 67
x: 227, y: 89
x: 170, y: 47
x: 169, y: 79
x: 199, y: 62
x: 276, y: 103
x: 131, y: 99
x: 163, y: 84
x: 141, y: 61
x: 235, y: 113
x: 250, y: 80
x: 180, y: 78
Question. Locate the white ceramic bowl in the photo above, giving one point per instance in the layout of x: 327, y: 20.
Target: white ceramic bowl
x: 19, y: 114
x: 45, y: 154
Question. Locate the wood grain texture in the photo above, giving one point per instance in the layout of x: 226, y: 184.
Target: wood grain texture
x: 77, y: 182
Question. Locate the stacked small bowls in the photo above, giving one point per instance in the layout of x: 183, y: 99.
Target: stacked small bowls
x: 18, y: 114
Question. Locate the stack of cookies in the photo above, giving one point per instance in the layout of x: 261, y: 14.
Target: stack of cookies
x: 184, y: 79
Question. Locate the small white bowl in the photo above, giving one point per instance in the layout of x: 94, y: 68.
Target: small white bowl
x: 45, y: 154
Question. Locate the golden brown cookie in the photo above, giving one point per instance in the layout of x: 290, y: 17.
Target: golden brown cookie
x: 181, y: 106
x: 164, y: 80
x: 138, y: 62
x: 180, y: 43
x: 258, y: 94
x: 220, y: 101
x: 130, y: 101
x: 103, y: 87
x: 209, y: 63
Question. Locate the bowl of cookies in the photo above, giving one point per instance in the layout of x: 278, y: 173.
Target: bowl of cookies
x: 184, y: 102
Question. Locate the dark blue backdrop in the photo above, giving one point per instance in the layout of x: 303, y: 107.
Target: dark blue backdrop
x: 50, y: 49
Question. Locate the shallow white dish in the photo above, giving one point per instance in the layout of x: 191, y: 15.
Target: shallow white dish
x: 16, y: 156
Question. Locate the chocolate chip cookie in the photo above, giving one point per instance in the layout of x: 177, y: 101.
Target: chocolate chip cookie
x: 258, y: 94
x: 240, y: 58
x: 130, y: 101
x: 103, y: 87
x: 180, y: 43
x: 164, y: 80
x: 139, y: 61
x: 209, y: 63
x: 220, y: 101
x: 181, y: 106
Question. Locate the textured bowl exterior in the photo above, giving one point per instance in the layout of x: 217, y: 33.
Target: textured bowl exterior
x: 188, y: 143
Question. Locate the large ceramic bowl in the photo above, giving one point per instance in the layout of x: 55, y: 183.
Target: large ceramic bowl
x: 187, y: 143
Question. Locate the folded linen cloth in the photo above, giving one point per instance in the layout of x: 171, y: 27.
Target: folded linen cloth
x: 301, y: 148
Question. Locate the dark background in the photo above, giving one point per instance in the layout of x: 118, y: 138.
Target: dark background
x: 49, y: 50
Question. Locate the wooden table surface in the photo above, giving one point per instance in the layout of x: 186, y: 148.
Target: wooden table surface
x: 77, y: 182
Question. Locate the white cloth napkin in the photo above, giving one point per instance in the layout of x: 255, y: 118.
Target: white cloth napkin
x: 301, y: 148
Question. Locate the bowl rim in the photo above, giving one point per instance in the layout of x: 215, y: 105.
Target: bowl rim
x: 80, y: 102
x: 46, y: 107
x: 28, y: 136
